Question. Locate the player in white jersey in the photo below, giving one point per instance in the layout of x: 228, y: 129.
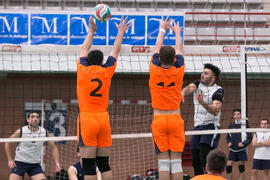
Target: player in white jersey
x: 208, y: 98
x: 28, y: 154
x: 261, y: 159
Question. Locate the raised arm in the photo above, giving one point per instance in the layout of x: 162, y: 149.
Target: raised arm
x: 55, y: 154
x: 163, y: 27
x: 121, y: 27
x: 178, y: 39
x: 11, y: 163
x: 89, y: 38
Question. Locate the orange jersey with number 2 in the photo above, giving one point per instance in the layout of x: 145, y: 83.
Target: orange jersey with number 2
x: 93, y: 84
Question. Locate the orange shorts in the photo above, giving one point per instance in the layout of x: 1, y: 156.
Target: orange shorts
x: 168, y: 133
x: 93, y: 129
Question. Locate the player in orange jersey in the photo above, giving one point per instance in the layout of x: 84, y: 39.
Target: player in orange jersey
x: 166, y: 79
x: 93, y: 84
x: 216, y: 163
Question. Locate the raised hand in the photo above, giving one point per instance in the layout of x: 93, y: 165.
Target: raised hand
x: 92, y: 25
x: 176, y: 28
x: 123, y: 25
x: 165, y: 24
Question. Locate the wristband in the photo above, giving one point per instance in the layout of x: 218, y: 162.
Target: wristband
x: 162, y: 30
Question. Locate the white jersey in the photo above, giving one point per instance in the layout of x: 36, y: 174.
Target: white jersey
x: 201, y: 115
x: 262, y: 152
x: 30, y: 152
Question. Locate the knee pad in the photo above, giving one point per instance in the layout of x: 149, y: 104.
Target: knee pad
x: 176, y: 166
x: 89, y: 166
x: 241, y: 168
x: 164, y: 165
x: 103, y: 163
x: 228, y: 169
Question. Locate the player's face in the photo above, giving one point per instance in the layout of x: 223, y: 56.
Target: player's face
x: 207, y: 76
x: 237, y: 115
x: 34, y: 119
x: 264, y: 124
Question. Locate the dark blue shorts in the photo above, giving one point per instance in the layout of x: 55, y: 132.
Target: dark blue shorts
x: 210, y: 139
x: 30, y: 169
x: 260, y: 164
x: 238, y: 156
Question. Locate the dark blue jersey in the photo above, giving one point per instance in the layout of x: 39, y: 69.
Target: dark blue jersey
x: 235, y: 138
x: 78, y: 167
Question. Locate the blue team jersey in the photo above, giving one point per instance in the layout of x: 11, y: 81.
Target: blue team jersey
x: 79, y: 169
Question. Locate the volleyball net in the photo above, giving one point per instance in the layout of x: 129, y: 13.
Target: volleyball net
x: 43, y: 78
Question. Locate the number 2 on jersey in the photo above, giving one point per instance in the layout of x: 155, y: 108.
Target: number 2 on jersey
x: 94, y: 92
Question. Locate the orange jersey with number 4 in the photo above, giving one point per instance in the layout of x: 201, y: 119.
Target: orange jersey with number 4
x: 93, y: 84
x: 166, y: 84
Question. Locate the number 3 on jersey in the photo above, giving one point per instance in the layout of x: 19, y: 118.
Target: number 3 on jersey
x: 94, y: 92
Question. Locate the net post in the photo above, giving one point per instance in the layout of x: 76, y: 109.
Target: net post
x: 243, y: 65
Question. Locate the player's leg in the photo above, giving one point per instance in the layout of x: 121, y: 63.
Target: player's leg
x: 15, y: 177
x: 164, y: 165
x: 176, y: 165
x: 176, y: 145
x: 265, y: 174
x: 255, y: 167
x: 207, y: 143
x: 241, y: 167
x: 104, y: 142
x: 231, y: 159
x: 103, y: 163
x: 195, y: 154
x: 266, y: 167
x: 204, y: 150
x: 87, y: 131
x: 88, y: 155
x: 18, y: 172
x: 35, y: 172
x: 229, y: 168
x: 160, y: 138
x: 38, y: 177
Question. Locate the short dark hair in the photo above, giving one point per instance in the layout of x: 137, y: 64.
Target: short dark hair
x: 95, y: 57
x: 32, y: 112
x: 216, y: 161
x: 167, y: 55
x: 236, y: 110
x: 214, y: 69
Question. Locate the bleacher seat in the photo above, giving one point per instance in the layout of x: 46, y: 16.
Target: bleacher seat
x: 202, y: 17
x: 240, y: 34
x: 254, y: 1
x: 235, y: 1
x: 238, y: 18
x: 190, y: 34
x: 221, y: 17
x: 206, y: 33
x: 225, y: 34
x: 257, y: 18
x: 262, y: 34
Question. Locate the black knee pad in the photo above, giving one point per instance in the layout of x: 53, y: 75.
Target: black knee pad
x: 241, y: 168
x: 228, y: 169
x: 89, y: 166
x: 103, y: 163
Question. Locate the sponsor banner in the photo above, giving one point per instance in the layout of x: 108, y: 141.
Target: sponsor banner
x: 14, y: 28
x: 49, y: 29
x: 71, y: 29
x: 79, y: 27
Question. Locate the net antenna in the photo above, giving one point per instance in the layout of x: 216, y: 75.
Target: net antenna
x: 42, y: 125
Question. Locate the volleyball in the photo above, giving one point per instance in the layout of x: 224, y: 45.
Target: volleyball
x: 102, y: 12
